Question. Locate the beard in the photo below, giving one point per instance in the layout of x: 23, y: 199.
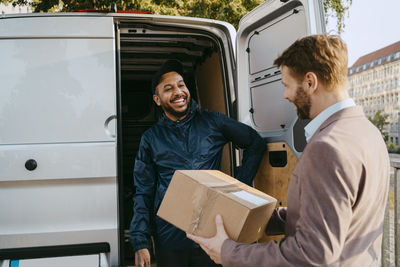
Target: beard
x: 302, y: 102
x: 177, y: 114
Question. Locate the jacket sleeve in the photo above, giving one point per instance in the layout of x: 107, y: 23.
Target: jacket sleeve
x: 324, y: 216
x: 144, y: 181
x: 246, y: 138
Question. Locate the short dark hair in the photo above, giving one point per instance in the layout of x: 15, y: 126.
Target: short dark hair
x: 167, y: 66
x: 325, y: 55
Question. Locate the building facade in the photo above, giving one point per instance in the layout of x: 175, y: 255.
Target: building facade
x: 374, y: 84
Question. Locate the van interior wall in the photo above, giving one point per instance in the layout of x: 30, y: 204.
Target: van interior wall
x: 211, y: 95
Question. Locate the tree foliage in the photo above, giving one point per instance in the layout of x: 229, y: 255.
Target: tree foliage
x: 227, y: 10
x: 337, y: 9
x: 380, y: 121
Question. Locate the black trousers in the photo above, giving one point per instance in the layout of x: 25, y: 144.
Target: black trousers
x: 184, y: 258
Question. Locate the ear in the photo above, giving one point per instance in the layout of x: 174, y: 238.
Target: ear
x: 311, y: 82
x: 157, y: 100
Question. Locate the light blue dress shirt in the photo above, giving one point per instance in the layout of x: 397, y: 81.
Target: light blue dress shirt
x: 310, y: 129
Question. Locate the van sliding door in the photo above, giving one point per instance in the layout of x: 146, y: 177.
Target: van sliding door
x: 57, y: 143
x: 263, y: 34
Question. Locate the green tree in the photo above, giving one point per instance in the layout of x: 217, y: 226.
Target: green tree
x: 227, y: 10
x: 337, y: 9
x: 380, y: 121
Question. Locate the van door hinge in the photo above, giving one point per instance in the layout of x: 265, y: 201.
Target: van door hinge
x: 251, y: 110
x: 295, y: 11
x: 248, y: 49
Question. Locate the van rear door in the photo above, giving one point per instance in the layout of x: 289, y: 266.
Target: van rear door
x: 57, y: 143
x: 263, y: 34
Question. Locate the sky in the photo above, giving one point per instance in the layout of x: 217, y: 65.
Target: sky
x: 369, y: 26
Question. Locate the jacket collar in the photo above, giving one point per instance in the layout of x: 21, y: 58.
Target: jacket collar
x: 315, y: 123
x: 354, y: 111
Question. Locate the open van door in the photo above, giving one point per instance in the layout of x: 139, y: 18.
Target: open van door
x: 263, y: 34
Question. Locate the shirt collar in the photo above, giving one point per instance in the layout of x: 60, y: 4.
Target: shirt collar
x: 312, y: 127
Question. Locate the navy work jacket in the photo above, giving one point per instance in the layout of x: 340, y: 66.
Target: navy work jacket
x: 194, y: 143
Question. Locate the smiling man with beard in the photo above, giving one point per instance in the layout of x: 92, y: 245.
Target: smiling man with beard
x: 338, y: 191
x: 185, y: 137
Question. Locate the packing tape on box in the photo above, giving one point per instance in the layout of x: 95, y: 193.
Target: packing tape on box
x: 204, y: 199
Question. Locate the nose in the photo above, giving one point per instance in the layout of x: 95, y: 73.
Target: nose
x: 177, y: 90
x: 286, y: 94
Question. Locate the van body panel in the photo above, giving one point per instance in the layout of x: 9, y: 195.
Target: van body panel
x: 60, y: 238
x: 264, y: 83
x: 55, y: 205
x: 58, y: 161
x: 65, y: 86
x: 261, y: 37
x: 58, y: 108
x: 263, y: 34
x: 59, y: 212
x: 56, y: 26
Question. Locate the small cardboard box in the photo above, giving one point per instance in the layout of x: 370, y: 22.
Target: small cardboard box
x: 195, y: 197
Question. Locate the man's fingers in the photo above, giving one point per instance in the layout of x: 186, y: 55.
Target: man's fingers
x: 220, y: 226
x: 198, y: 239
x: 203, y: 247
x: 142, y: 261
x: 219, y: 221
x: 139, y: 261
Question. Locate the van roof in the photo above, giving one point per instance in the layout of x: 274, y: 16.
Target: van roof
x: 121, y: 14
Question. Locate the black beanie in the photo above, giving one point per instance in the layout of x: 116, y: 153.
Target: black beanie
x: 167, y: 66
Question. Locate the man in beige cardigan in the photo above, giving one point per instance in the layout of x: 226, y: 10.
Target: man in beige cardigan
x: 338, y: 191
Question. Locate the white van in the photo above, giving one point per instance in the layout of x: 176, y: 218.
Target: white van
x: 75, y: 98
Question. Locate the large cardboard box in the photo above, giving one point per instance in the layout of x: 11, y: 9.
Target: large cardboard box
x: 195, y: 197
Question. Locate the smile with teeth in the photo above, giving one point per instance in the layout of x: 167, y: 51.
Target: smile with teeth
x: 179, y: 100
